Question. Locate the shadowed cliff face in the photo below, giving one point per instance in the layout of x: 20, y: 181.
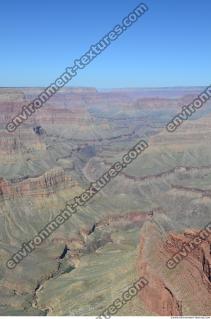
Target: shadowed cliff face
x: 129, y: 229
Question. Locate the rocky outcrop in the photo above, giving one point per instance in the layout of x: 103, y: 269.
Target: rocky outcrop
x: 158, y: 297
x: 43, y: 185
x: 198, y: 254
x: 183, y: 290
x: 131, y: 217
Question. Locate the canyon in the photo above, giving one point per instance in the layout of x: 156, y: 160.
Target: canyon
x: 131, y: 228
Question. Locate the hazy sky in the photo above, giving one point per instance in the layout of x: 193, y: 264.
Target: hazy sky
x: 169, y: 46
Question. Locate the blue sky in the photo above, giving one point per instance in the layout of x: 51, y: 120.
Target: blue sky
x: 169, y: 46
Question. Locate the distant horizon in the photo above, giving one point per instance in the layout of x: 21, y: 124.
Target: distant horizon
x: 166, y: 47
x: 112, y: 88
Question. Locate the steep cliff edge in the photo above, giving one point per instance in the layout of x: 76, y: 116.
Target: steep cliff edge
x: 183, y: 290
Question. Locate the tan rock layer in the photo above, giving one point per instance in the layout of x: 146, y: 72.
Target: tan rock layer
x: 43, y: 185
